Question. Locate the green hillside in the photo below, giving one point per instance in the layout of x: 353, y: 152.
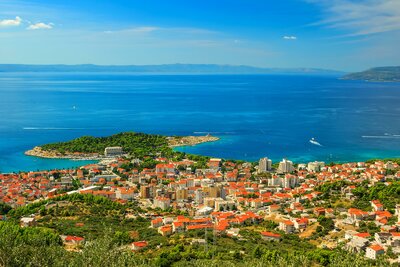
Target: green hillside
x: 380, y: 74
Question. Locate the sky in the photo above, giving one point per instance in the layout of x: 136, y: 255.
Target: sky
x: 347, y: 35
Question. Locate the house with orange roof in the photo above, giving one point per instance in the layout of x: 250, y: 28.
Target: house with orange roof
x: 165, y: 230
x: 270, y: 236
x: 287, y: 226
x: 373, y: 251
x: 74, y: 240
x: 125, y: 193
x: 139, y: 245
x: 376, y: 205
x: 382, y: 215
x: 301, y: 224
x: 178, y: 227
x: 357, y: 214
x: 319, y: 211
x: 157, y: 222
x: 363, y: 235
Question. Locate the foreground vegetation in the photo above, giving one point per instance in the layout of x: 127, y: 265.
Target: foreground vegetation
x: 41, y: 247
x: 109, y: 231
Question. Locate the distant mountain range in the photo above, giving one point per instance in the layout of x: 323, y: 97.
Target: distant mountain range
x: 380, y: 74
x: 167, y: 68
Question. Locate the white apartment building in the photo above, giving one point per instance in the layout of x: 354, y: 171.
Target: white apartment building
x: 285, y: 166
x: 264, y: 165
x: 113, y: 151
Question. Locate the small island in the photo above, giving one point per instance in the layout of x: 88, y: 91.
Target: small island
x: 138, y: 144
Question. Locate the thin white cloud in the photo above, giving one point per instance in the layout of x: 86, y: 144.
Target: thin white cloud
x: 40, y: 26
x: 289, y: 37
x: 360, y: 17
x: 142, y: 29
x: 11, y: 22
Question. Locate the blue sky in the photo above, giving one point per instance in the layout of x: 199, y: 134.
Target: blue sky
x: 334, y: 34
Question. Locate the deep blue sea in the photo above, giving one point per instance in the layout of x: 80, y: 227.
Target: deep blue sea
x: 255, y: 115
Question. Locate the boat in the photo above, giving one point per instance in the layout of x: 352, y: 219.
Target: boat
x: 314, y: 142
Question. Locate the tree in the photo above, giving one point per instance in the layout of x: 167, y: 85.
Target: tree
x: 257, y: 252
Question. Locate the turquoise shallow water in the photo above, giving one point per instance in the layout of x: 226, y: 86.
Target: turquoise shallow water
x: 255, y: 115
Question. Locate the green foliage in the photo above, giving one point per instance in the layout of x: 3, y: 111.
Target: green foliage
x: 388, y: 195
x: 334, y: 186
x: 369, y: 227
x: 379, y: 74
x: 108, y: 233
x: 97, y: 203
x: 138, y: 144
x: 326, y: 223
x: 4, y: 208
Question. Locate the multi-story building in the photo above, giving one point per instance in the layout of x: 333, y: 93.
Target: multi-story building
x: 287, y: 226
x: 315, y: 166
x: 285, y: 166
x: 264, y: 165
x: 374, y: 251
x: 113, y: 151
x: 162, y: 203
x: 290, y: 181
x: 181, y: 194
x: 198, y: 196
x: 212, y: 191
x: 223, y: 205
x: 145, y: 191
x: 165, y: 168
x: 125, y: 194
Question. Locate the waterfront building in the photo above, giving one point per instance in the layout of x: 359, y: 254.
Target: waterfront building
x: 264, y: 165
x: 290, y: 181
x: 315, y: 166
x: 285, y: 166
x: 113, y: 151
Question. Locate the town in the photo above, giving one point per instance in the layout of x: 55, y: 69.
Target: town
x: 314, y: 201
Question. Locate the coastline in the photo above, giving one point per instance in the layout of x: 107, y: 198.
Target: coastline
x: 191, y: 140
x: 37, y: 151
x: 179, y: 141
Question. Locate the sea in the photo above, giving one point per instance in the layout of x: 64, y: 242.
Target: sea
x: 255, y: 116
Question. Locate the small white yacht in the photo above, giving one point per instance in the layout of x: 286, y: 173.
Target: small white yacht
x: 315, y: 142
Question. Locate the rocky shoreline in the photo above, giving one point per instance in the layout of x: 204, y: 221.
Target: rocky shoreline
x: 52, y: 154
x: 191, y: 140
x: 173, y: 142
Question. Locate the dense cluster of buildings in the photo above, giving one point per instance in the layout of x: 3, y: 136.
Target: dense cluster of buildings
x: 225, y: 195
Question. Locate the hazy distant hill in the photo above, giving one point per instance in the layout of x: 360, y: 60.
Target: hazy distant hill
x: 380, y: 74
x: 168, y: 68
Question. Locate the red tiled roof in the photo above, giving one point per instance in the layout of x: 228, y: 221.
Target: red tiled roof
x: 74, y: 238
x: 376, y: 247
x: 363, y: 235
x: 270, y: 234
x: 140, y: 244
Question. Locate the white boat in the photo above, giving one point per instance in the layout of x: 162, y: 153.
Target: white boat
x: 315, y: 142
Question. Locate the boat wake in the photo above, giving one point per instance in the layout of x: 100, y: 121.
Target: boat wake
x: 50, y: 128
x: 385, y: 136
x: 213, y: 132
